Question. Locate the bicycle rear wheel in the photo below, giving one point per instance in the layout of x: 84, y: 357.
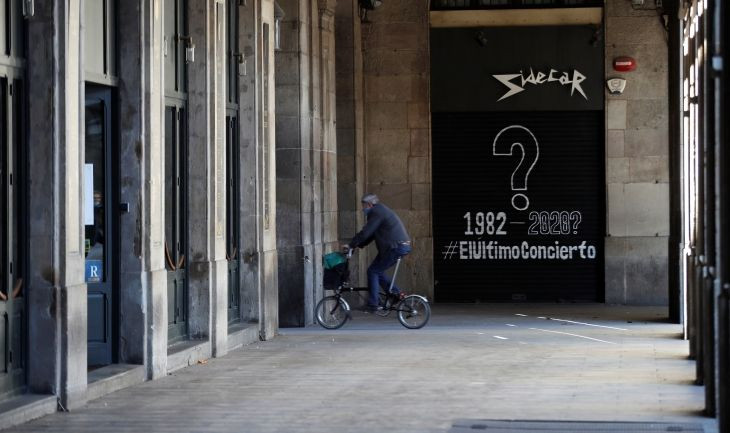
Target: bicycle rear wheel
x: 332, y: 312
x: 414, y: 312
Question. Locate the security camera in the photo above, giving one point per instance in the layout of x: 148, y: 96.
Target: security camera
x: 481, y: 38
x: 370, y: 4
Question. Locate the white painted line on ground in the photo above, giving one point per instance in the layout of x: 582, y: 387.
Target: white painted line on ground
x: 501, y: 338
x: 586, y: 324
x: 521, y: 315
x: 509, y: 324
x: 573, y: 335
x: 543, y: 318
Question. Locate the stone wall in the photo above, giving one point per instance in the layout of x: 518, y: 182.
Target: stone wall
x: 637, y: 167
x: 397, y: 144
x: 397, y: 127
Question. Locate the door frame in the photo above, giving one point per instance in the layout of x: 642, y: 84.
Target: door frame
x: 180, y: 264
x: 233, y: 233
x: 110, y: 351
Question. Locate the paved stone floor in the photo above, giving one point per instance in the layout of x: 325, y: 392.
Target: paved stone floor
x: 470, y: 362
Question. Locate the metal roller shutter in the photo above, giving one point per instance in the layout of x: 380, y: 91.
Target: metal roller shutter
x: 489, y: 248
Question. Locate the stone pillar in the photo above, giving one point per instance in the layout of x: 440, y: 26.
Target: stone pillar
x: 306, y: 155
x: 293, y: 182
x: 57, y: 315
x: 143, y: 278
x: 208, y: 272
x: 350, y: 134
x: 267, y: 188
x: 259, y: 279
x: 397, y: 127
x: 637, y: 165
x: 326, y: 149
x: 250, y: 224
x: 219, y: 295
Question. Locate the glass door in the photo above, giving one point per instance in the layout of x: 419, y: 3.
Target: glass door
x: 176, y: 222
x: 98, y: 223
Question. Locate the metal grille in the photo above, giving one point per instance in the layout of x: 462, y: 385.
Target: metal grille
x: 482, y: 229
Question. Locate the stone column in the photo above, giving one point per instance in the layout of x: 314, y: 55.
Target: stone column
x: 328, y: 148
x: 269, y: 294
x: 306, y: 155
x: 250, y: 221
x: 350, y: 134
x: 57, y: 315
x: 219, y: 295
x: 293, y: 182
x: 208, y: 272
x: 143, y: 278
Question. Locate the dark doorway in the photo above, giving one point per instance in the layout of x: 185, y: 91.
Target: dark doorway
x: 98, y: 205
x: 13, y: 200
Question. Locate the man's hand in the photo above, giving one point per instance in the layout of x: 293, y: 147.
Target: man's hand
x: 345, y: 248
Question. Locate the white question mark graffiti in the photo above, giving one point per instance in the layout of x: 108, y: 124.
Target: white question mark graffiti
x: 530, y: 151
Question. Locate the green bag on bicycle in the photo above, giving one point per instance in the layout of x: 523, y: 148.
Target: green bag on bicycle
x: 331, y: 260
x: 335, y: 270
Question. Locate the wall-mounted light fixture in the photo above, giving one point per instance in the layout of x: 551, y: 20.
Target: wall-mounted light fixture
x: 241, y: 61
x: 189, y: 48
x: 278, y: 18
x: 28, y: 8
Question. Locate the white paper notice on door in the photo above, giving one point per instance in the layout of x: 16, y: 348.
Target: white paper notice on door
x: 89, y: 194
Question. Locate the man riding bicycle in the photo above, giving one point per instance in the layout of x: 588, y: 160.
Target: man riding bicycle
x: 391, y: 239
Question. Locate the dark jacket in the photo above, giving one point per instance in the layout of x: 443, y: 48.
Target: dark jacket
x: 384, y: 226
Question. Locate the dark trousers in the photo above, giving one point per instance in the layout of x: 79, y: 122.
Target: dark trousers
x: 376, y: 271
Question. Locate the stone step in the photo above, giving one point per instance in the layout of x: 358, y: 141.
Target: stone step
x: 25, y: 408
x: 112, y: 378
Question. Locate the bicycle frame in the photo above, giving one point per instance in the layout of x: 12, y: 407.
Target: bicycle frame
x: 407, y: 308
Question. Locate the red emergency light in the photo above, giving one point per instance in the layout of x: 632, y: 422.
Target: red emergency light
x: 624, y: 64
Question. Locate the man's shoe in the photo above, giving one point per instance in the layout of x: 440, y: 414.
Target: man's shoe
x: 397, y: 297
x: 371, y: 308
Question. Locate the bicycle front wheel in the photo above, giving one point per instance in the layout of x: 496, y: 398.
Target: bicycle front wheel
x: 414, y: 312
x: 332, y: 312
